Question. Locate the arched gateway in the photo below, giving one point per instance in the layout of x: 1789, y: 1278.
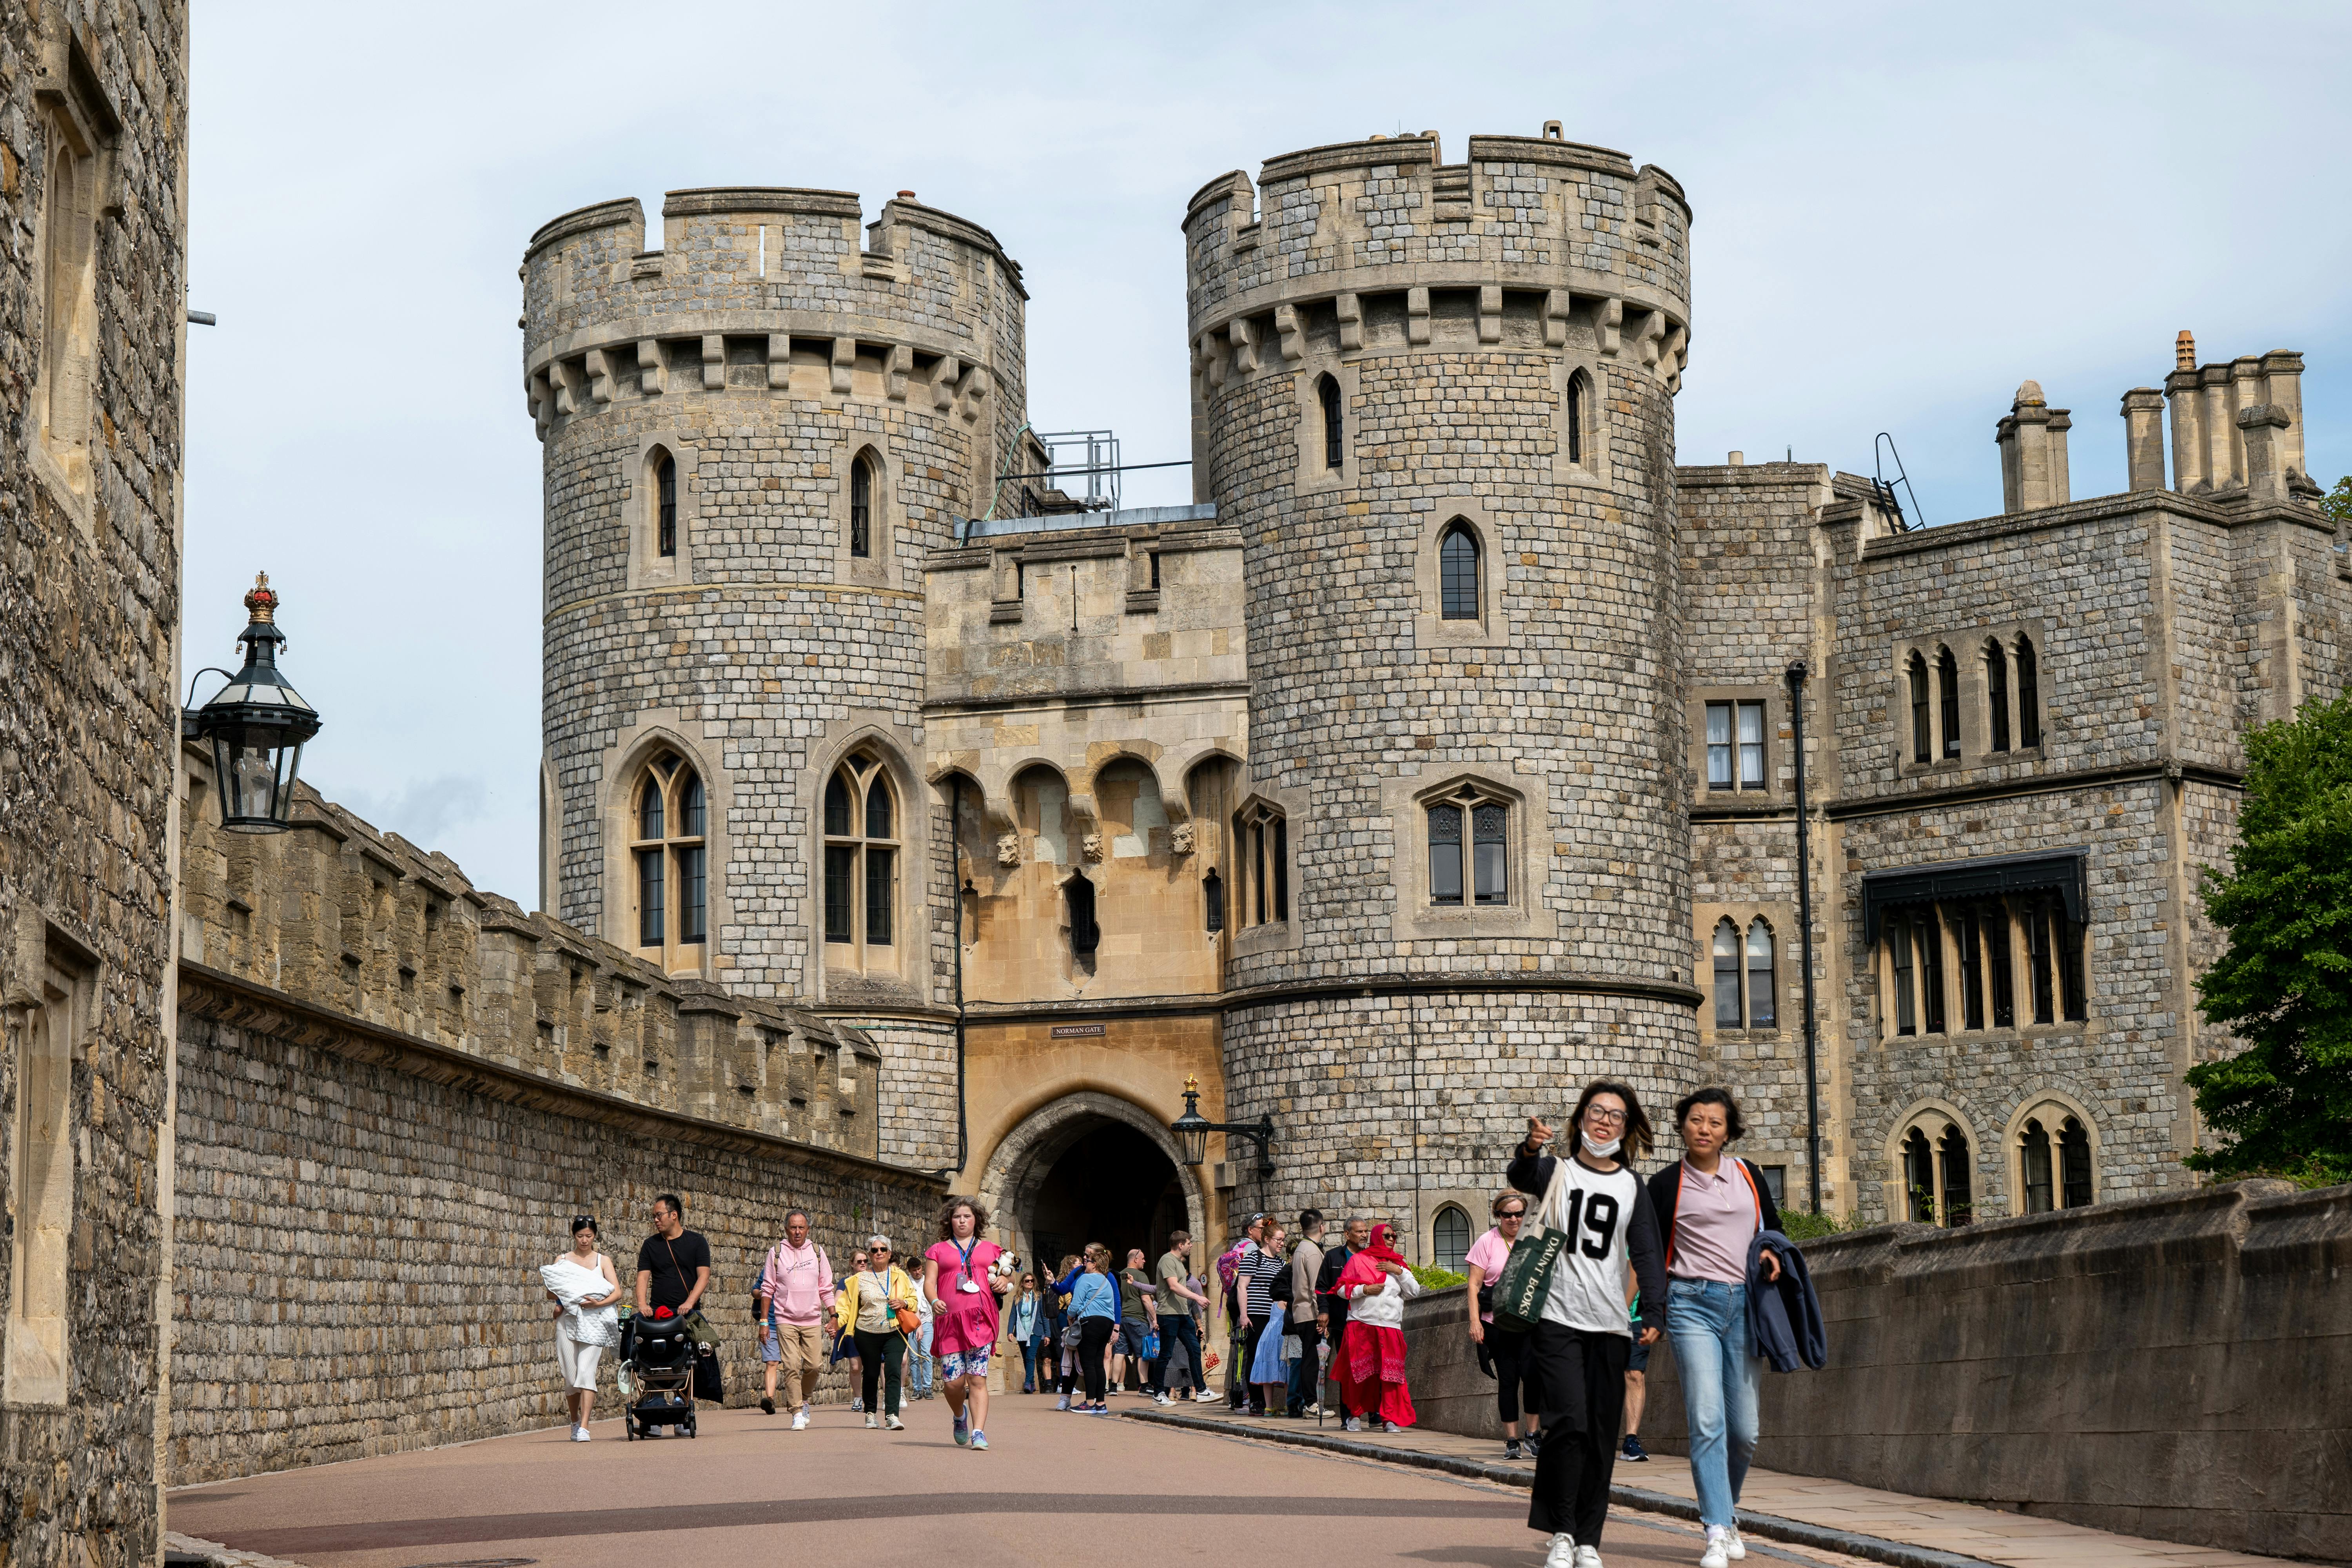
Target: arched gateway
x: 1090, y: 1167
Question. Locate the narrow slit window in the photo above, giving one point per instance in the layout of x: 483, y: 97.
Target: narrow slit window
x: 878, y: 867
x: 1579, y: 387
x: 1898, y: 951
x: 665, y: 491
x: 1335, y: 449
x: 2037, y: 962
x: 2029, y: 695
x: 1920, y: 1177
x: 1997, y: 695
x: 1997, y: 969
x: 1921, y: 745
x: 651, y: 904
x: 1931, y: 970
x: 1958, y: 1173
x: 2070, y: 934
x: 1212, y: 901
x: 1281, y: 868
x: 1947, y: 683
x: 1971, y: 972
x: 692, y: 889
x: 840, y: 893
x: 861, y: 509
x: 1457, y: 567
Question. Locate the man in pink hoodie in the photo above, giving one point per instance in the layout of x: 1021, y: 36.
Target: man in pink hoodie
x: 796, y: 1288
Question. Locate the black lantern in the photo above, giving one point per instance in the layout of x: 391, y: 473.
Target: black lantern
x: 1193, y: 1131
x: 256, y: 724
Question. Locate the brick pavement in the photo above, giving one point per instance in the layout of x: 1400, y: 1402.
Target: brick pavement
x: 750, y: 1489
x: 1960, y: 1531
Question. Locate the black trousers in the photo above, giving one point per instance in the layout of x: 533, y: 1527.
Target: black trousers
x: 1575, y: 1383
x: 1303, y: 1371
x: 1257, y: 1328
x: 1175, y: 1331
x: 1094, y: 1334
x: 1510, y: 1353
x: 879, y: 1356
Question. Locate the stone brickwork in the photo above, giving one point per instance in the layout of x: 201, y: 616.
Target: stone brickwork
x: 1459, y: 315
x: 2169, y: 1367
x: 93, y: 188
x: 395, y: 1090
x: 764, y: 351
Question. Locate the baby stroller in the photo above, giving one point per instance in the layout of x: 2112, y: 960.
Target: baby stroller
x: 661, y: 1366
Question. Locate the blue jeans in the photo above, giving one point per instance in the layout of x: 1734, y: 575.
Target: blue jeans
x: 1707, y: 1321
x: 1028, y: 1365
x: 920, y: 1363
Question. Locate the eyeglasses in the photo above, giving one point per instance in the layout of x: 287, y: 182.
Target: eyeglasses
x: 1602, y: 1113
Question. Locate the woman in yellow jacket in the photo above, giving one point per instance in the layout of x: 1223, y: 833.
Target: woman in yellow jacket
x: 869, y: 1312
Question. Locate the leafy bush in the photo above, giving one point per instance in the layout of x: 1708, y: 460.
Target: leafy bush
x: 1432, y: 1278
x: 1801, y: 1227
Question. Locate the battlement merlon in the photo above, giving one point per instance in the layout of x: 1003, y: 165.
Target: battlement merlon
x: 1522, y: 214
x: 754, y: 252
x: 930, y: 293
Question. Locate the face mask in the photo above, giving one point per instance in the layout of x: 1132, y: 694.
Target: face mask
x: 1601, y: 1150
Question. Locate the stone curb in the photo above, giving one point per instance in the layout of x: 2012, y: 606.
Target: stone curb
x: 188, y: 1549
x: 1765, y: 1526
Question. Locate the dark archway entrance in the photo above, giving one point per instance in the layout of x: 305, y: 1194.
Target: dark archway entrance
x: 1112, y: 1184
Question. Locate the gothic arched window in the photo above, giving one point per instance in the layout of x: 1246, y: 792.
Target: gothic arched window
x: 1579, y: 392
x: 861, y: 860
x: 1937, y: 1168
x: 1449, y: 1236
x: 1457, y: 574
x: 1469, y: 851
x: 1761, y: 1014
x: 671, y: 848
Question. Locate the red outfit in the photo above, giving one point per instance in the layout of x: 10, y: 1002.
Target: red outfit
x: 1371, y: 1362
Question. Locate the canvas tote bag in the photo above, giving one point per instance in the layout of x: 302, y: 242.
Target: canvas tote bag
x: 1525, y: 1279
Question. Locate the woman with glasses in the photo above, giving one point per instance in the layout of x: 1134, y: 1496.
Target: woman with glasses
x: 868, y: 1311
x: 1506, y: 1349
x: 1578, y: 1349
x: 1028, y: 1324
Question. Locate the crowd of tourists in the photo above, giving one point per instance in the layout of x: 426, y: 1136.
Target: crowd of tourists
x: 1587, y: 1265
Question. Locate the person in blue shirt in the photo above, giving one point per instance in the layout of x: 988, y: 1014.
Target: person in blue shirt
x: 1028, y: 1324
x: 1094, y: 1308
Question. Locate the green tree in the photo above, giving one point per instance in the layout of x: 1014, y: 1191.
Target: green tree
x: 2338, y: 503
x: 2284, y: 1103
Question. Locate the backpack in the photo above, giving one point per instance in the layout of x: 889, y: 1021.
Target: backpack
x: 1228, y: 1263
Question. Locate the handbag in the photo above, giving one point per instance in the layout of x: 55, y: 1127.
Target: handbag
x: 907, y: 1318
x: 1526, y: 1279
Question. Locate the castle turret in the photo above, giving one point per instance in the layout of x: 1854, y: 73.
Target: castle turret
x: 1437, y: 401
x: 752, y: 436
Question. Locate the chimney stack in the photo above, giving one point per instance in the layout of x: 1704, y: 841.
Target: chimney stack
x: 2144, y: 438
x: 2032, y: 442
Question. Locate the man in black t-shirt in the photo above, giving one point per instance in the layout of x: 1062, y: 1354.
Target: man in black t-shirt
x: 674, y: 1264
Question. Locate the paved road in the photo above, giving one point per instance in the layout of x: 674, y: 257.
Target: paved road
x: 753, y: 1491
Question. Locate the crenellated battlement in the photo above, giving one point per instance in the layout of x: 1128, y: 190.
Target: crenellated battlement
x: 1530, y: 240
x: 754, y: 281
x: 333, y: 917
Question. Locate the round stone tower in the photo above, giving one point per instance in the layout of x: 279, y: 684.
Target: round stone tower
x: 1437, y: 400
x: 752, y: 436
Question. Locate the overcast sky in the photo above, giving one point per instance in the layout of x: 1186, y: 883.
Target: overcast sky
x: 1898, y: 219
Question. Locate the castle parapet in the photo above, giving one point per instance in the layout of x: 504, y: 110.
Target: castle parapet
x: 335, y: 919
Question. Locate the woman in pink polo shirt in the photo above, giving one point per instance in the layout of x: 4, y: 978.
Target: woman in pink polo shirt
x: 1709, y: 1208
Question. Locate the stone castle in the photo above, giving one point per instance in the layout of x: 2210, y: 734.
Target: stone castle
x: 911, y: 823
x: 1442, y: 755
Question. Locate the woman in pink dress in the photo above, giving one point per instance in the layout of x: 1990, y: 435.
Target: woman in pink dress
x: 963, y: 1290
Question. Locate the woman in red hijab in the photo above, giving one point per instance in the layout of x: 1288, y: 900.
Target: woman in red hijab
x: 1375, y: 1284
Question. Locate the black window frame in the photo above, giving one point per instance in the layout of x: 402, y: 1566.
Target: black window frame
x: 1458, y: 600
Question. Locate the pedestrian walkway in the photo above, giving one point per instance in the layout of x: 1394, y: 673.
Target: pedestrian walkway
x: 1860, y: 1521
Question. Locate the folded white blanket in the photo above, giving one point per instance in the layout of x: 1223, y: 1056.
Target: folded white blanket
x: 572, y: 1285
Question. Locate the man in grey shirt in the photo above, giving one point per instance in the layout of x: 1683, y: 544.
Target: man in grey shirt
x: 1306, y: 1265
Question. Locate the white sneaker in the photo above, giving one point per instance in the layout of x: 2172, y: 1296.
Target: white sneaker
x: 1355, y: 1425
x: 1310, y: 1411
x: 580, y: 1434
x: 1715, y: 1555
x: 1207, y: 1396
x: 871, y: 1424
x: 1733, y: 1547
x: 1588, y: 1557
x: 894, y: 1423
x: 1563, y: 1552
x: 800, y: 1419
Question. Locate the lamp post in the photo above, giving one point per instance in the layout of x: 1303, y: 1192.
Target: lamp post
x: 256, y: 725
x: 1193, y: 1131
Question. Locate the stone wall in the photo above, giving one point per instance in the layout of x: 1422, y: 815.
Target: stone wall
x: 2170, y: 1367
x: 93, y: 186
x: 395, y: 1090
x: 361, y: 1217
